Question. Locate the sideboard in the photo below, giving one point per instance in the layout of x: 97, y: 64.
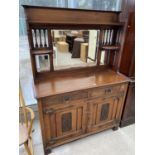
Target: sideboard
x: 72, y: 107
x: 77, y: 101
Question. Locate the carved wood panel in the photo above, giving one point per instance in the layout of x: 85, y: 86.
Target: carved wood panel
x: 62, y: 122
x: 66, y: 122
x: 104, y: 112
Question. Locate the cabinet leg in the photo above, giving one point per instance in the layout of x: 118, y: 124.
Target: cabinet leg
x: 48, y: 151
x: 115, y: 128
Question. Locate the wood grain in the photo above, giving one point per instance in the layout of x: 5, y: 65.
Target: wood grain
x: 42, y: 15
x: 77, y: 82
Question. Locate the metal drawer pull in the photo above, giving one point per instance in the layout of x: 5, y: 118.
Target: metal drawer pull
x: 66, y: 98
x: 108, y: 91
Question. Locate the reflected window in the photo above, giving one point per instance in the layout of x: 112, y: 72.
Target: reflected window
x: 102, y: 60
x: 42, y: 62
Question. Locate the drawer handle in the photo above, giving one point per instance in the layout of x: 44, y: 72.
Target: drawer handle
x: 66, y: 98
x: 108, y: 91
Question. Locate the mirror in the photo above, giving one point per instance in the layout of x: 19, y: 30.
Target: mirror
x: 74, y: 48
x: 42, y: 62
x: 102, y: 60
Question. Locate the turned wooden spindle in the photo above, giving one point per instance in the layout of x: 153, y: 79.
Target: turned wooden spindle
x: 44, y: 32
x: 118, y: 37
x: 105, y: 37
x: 47, y: 38
x: 108, y: 42
x: 41, y: 45
x: 33, y: 38
x: 111, y: 36
x: 114, y: 37
x: 35, y: 35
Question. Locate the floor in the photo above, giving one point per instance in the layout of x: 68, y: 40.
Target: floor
x: 120, y: 142
x: 64, y: 60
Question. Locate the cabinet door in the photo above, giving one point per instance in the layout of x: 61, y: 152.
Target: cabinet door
x: 104, y: 111
x: 65, y: 120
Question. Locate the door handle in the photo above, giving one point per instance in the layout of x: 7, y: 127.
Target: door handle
x: 108, y: 90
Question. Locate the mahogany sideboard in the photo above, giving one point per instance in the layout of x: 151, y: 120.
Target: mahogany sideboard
x: 72, y: 107
x: 77, y: 102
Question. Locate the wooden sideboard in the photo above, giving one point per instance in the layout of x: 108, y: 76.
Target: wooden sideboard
x: 75, y: 106
x: 77, y: 102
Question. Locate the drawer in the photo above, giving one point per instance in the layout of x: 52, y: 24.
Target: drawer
x: 65, y: 98
x: 75, y: 96
x: 105, y: 91
x: 52, y: 100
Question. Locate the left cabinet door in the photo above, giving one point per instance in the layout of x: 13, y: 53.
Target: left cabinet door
x: 64, y: 121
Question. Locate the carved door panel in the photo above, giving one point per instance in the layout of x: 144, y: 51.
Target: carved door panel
x: 65, y: 120
x: 104, y: 111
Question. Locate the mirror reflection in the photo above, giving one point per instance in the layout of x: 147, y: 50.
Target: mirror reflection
x: 102, y: 60
x: 42, y: 62
x: 74, y: 48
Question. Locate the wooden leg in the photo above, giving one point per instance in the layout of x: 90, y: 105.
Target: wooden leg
x: 27, y: 148
x: 115, y: 128
x: 31, y: 146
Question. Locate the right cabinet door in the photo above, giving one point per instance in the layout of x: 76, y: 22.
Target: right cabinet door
x: 104, y: 112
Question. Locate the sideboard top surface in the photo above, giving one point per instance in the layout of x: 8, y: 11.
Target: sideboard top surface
x: 59, y: 85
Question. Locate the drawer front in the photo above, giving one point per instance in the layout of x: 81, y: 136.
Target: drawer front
x: 65, y: 98
x: 107, y: 91
x: 74, y: 96
x: 52, y: 100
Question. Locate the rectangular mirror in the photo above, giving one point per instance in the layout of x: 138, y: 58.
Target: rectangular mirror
x: 74, y: 48
x: 42, y: 62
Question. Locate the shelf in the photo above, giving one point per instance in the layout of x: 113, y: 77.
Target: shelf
x: 110, y: 47
x: 39, y: 52
x: 89, y: 25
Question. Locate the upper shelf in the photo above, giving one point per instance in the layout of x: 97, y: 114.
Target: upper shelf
x: 71, y: 25
x: 40, y: 52
x: 77, y: 9
x: 49, y: 15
